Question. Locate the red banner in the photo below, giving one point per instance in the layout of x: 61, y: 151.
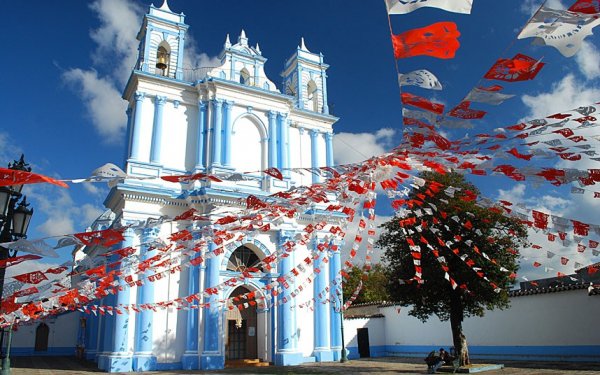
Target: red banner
x: 10, y: 177
x: 519, y: 68
x: 438, y: 40
x: 419, y: 102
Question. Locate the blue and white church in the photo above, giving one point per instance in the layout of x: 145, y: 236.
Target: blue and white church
x: 226, y: 119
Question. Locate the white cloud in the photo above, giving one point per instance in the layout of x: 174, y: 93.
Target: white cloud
x: 193, y: 58
x: 588, y: 59
x: 116, y: 54
x: 554, y: 204
x: 102, y: 100
x: 117, y: 50
x: 8, y: 151
x: 564, y: 95
x: 546, y: 203
x: 531, y: 6
x: 116, y: 37
x: 57, y: 225
x: 89, y: 213
x: 356, y: 147
x: 93, y: 189
x: 514, y: 194
x: 63, y: 215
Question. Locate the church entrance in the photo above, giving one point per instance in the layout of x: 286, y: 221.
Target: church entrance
x: 241, y: 333
x: 247, y: 320
x: 236, y: 345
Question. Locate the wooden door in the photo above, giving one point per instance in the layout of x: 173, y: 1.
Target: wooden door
x: 363, y: 342
x: 236, y: 341
x: 41, y: 338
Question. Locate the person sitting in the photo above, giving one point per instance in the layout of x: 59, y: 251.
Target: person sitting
x: 446, y: 357
x: 451, y: 359
x: 434, y: 361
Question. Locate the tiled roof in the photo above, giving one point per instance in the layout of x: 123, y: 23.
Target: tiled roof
x: 374, y: 303
x: 564, y: 288
x: 350, y: 317
x: 367, y: 309
x: 371, y: 309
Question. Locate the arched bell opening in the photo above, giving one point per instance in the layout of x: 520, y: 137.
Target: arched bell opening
x: 312, y: 95
x: 163, y: 58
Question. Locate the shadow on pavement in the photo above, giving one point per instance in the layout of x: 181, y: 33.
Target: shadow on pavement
x: 386, y: 365
x: 567, y: 366
x: 53, y: 363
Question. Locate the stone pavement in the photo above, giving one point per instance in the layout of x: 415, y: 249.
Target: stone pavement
x: 389, y: 365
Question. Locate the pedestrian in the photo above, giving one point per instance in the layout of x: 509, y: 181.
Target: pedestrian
x: 434, y: 360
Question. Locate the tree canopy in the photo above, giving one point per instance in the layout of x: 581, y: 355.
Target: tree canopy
x: 374, y: 284
x: 480, y: 253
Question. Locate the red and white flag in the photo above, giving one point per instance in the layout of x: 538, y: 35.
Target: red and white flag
x: 437, y: 40
x: 585, y: 6
x: 519, y: 68
x: 417, y: 101
x: 560, y: 29
x: 34, y: 277
x: 407, y: 6
x: 421, y: 78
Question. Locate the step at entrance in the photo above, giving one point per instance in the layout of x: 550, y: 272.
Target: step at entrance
x: 235, y: 363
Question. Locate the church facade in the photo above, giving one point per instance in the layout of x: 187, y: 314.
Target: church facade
x: 230, y: 120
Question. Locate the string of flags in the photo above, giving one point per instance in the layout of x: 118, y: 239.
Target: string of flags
x: 347, y: 196
x: 564, y: 30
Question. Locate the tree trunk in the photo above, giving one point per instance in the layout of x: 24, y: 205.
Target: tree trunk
x: 456, y: 319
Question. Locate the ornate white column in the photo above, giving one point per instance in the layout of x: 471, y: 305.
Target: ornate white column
x: 157, y: 129
x: 136, y: 135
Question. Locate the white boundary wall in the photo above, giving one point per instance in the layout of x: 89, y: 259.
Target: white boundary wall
x: 551, y: 326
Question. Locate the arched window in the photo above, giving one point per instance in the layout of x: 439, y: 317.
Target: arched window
x: 163, y: 58
x: 245, y: 77
x: 312, y: 94
x: 41, y: 338
x: 248, y: 146
x: 242, y: 259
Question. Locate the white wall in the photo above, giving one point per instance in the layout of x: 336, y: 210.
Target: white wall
x: 564, y: 318
x: 376, y: 326
x: 403, y: 329
x: 551, y: 326
x: 62, y: 338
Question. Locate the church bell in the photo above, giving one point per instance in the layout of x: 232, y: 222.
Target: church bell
x: 161, y: 60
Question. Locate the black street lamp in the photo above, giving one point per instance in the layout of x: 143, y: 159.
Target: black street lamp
x: 14, y: 221
x: 344, y: 356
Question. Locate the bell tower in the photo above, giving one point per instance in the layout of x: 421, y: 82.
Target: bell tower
x: 162, y: 38
x: 305, y: 78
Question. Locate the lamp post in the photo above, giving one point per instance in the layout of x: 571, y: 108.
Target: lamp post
x: 344, y: 356
x: 14, y: 221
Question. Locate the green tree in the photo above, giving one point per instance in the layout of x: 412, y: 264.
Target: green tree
x: 374, y: 285
x: 492, y: 234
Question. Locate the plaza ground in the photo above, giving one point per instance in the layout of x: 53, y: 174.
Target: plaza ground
x: 388, y: 365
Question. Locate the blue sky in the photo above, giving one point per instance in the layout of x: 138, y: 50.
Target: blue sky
x: 67, y: 63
